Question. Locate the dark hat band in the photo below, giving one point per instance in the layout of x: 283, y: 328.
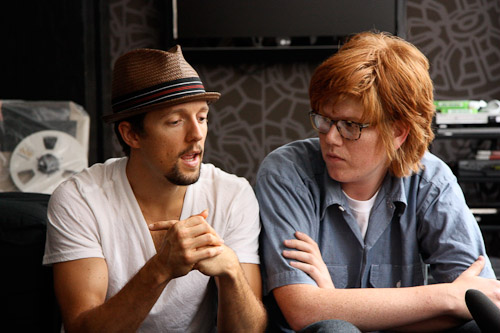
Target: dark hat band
x: 160, y: 93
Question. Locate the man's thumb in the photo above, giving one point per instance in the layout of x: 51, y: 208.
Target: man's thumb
x: 204, y: 214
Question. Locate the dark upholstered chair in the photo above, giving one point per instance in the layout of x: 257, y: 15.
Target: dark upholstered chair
x: 27, y: 286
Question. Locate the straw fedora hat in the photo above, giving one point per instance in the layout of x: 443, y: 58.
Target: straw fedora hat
x: 144, y: 78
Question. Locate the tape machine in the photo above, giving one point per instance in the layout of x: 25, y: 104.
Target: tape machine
x: 42, y: 143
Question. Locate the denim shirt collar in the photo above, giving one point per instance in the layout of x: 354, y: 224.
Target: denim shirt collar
x: 331, y: 193
x: 391, y: 201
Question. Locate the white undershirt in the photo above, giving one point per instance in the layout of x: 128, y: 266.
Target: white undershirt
x: 361, y: 211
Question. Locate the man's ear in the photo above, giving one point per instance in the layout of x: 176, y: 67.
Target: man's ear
x: 400, y: 134
x: 128, y: 134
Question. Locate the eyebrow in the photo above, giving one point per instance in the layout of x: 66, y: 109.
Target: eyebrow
x: 181, y: 109
x: 343, y: 118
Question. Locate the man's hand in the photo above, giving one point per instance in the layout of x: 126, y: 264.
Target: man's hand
x: 223, y: 264
x: 469, y: 279
x: 186, y: 243
x: 309, y: 259
x: 194, y: 244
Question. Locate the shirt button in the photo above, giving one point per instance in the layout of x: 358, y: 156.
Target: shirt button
x: 341, y: 209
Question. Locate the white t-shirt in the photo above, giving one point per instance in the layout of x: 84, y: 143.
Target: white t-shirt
x: 361, y: 210
x: 95, y: 214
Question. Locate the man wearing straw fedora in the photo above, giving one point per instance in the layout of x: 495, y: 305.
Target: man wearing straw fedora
x: 156, y: 241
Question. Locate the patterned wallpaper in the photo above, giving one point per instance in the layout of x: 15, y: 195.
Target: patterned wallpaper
x: 134, y: 24
x: 462, y: 40
x: 265, y: 106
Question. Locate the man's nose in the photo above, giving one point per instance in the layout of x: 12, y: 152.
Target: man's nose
x: 333, y: 136
x: 196, y: 131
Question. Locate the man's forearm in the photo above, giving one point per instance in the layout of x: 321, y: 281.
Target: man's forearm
x: 369, y: 309
x: 125, y: 311
x: 239, y: 309
x: 432, y: 325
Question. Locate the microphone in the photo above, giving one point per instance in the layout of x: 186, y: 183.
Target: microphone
x: 483, y: 310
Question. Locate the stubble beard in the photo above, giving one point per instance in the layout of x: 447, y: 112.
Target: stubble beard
x: 176, y: 177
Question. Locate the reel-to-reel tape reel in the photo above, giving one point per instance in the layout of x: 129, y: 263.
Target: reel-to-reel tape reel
x: 41, y: 161
x: 42, y: 144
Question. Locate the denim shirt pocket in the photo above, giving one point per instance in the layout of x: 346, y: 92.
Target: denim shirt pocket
x: 338, y: 274
x: 395, y: 276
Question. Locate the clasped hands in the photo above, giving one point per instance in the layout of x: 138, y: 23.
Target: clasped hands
x: 193, y: 244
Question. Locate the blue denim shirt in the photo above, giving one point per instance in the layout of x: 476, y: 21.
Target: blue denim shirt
x: 416, y: 220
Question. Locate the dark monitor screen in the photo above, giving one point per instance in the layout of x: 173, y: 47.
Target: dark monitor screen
x: 279, y: 23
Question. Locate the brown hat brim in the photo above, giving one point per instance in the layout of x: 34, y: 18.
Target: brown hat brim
x: 210, y: 97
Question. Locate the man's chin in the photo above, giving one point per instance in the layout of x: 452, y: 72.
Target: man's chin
x: 339, y: 176
x: 185, y: 178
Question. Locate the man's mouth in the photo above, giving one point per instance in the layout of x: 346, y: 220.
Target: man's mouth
x: 335, y: 156
x: 192, y: 158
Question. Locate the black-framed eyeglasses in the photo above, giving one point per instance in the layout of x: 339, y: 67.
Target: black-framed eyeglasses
x: 349, y: 130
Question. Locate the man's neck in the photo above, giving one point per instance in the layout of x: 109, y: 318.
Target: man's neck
x: 158, y: 199
x: 363, y: 190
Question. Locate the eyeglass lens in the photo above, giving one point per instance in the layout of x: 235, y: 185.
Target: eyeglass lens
x: 346, y: 129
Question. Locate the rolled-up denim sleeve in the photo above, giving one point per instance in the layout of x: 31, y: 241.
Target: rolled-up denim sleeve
x: 450, y: 238
x: 286, y: 206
